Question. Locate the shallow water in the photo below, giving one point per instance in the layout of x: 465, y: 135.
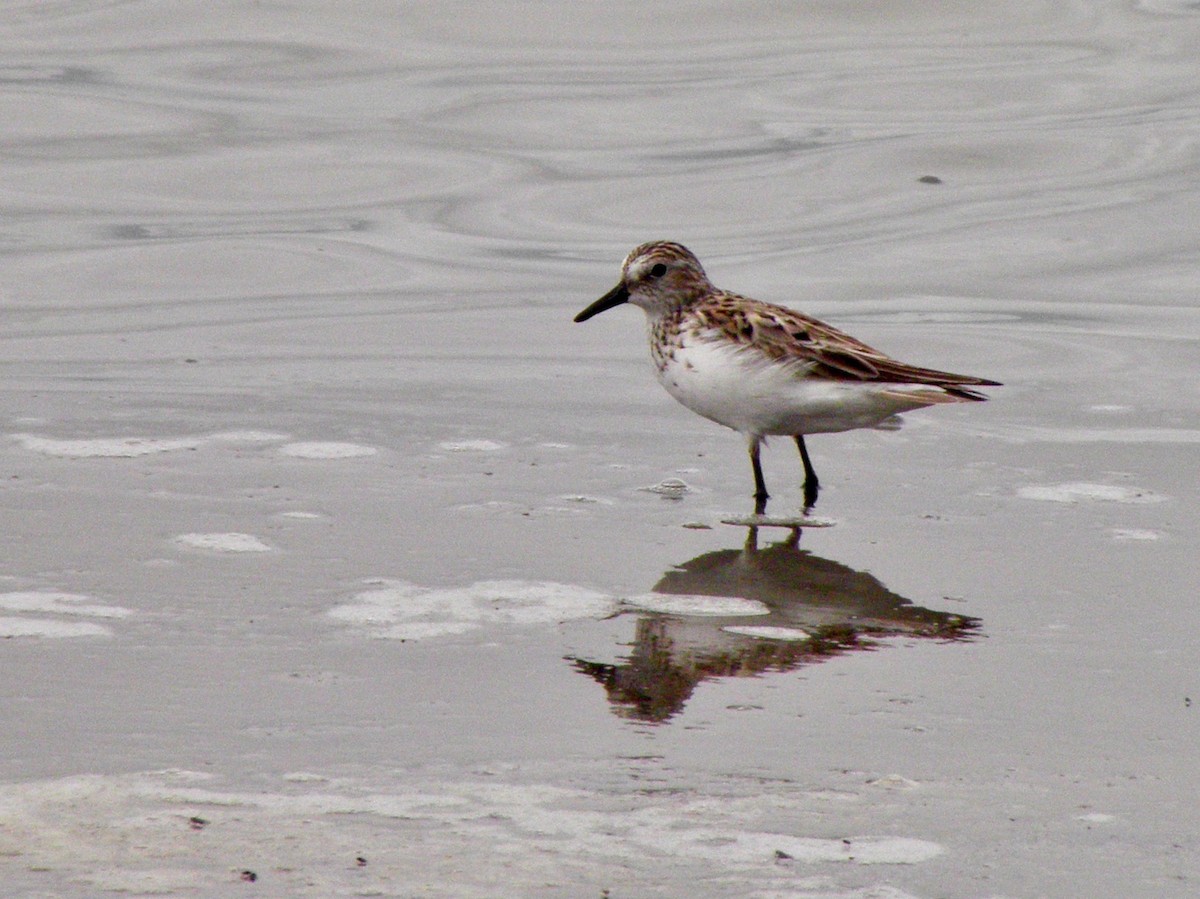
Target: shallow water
x: 328, y: 553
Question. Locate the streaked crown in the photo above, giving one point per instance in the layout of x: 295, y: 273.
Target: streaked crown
x: 663, y: 275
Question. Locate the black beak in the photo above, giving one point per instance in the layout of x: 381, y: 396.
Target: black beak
x: 614, y: 297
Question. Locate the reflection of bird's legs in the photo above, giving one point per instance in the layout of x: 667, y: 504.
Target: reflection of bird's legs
x: 751, y: 546
x: 811, y: 484
x: 793, y: 538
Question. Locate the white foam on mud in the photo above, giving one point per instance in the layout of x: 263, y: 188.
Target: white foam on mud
x: 45, y: 627
x: 403, y: 611
x: 303, y: 834
x: 769, y: 633
x: 327, y: 450
x: 823, y: 888
x: 745, y: 847
x: 672, y: 488
x: 1085, y: 492
x: 305, y: 777
x: 133, y: 447
x: 68, y: 605
x: 244, y: 437
x: 894, y: 782
x: 1136, y: 534
x: 105, y: 447
x: 585, y: 500
x: 73, y: 604
x: 472, y: 446
x: 703, y: 606
x: 224, y: 543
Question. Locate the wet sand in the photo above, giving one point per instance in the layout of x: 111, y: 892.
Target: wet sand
x: 338, y: 561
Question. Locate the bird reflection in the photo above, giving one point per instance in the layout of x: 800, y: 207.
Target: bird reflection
x: 839, y: 609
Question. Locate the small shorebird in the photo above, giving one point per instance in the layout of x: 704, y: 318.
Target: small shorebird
x: 764, y: 370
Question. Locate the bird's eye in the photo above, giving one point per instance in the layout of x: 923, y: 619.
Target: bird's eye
x: 658, y: 271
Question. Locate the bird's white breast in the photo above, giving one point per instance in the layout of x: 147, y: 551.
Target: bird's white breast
x: 750, y: 392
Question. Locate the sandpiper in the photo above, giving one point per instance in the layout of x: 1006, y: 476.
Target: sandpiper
x: 762, y: 369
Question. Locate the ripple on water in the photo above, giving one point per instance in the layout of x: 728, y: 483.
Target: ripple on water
x: 73, y: 125
x: 1025, y: 130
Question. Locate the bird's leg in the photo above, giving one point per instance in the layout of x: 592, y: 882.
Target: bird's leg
x: 760, y: 486
x: 811, y: 485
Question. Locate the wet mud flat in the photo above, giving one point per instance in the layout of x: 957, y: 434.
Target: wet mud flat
x: 495, y: 657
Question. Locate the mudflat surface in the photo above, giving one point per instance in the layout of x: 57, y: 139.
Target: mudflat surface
x: 337, y: 561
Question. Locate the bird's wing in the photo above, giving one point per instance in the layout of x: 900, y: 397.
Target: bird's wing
x: 815, y: 348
